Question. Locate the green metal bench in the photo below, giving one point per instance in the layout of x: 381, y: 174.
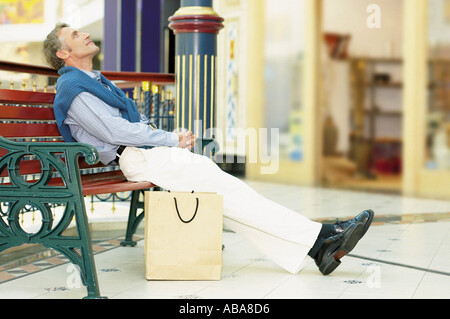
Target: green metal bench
x: 38, y: 170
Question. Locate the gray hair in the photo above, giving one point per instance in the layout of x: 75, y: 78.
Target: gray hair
x: 52, y: 45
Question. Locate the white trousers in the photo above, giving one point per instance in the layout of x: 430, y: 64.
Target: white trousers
x: 281, y: 234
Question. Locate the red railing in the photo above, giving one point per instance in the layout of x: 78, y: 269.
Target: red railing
x: 154, y: 78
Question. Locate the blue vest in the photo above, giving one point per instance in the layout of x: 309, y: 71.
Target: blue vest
x: 73, y: 82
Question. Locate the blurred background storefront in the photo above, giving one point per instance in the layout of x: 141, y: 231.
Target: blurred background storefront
x: 350, y: 94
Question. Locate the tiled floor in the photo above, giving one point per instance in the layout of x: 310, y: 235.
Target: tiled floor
x: 405, y: 254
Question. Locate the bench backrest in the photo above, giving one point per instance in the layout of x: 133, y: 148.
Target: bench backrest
x: 28, y: 117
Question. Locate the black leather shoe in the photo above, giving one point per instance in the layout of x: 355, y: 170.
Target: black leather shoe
x: 366, y: 218
x: 337, y: 246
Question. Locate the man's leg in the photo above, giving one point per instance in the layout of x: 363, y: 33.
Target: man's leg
x: 281, y: 234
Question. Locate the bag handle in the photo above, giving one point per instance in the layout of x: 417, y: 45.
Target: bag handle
x: 178, y: 212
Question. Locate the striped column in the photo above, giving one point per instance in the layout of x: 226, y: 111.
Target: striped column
x: 196, y: 26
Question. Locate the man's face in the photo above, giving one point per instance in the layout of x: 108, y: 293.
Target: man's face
x: 76, y: 45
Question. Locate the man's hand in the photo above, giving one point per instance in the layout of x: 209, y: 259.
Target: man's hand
x: 187, y: 139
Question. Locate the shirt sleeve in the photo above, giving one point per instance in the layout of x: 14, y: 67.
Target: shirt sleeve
x: 105, y: 123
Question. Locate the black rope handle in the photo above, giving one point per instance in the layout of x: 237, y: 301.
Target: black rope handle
x: 178, y: 212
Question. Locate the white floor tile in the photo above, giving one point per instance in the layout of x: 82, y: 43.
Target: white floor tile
x: 433, y: 286
x: 247, y: 274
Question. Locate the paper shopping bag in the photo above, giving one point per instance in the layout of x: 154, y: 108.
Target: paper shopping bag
x: 183, y: 236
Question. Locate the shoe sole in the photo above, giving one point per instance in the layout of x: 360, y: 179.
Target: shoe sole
x: 330, y: 263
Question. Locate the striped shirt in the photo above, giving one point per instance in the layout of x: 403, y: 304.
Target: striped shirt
x: 92, y: 121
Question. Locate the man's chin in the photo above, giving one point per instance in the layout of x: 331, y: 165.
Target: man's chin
x: 96, y: 51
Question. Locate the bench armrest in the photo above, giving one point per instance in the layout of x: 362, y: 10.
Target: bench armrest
x: 204, y: 144
x: 50, y: 156
x: 88, y: 151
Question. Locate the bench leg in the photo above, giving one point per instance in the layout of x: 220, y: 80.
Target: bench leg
x: 78, y: 249
x: 133, y: 219
x: 81, y: 254
x: 83, y: 259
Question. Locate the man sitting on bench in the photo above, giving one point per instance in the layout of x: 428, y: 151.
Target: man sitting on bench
x: 90, y: 109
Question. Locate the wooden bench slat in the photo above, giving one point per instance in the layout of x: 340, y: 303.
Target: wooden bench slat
x: 27, y: 167
x: 91, y: 179
x: 23, y: 130
x: 10, y: 112
x: 26, y: 97
x: 103, y: 177
x: 30, y: 167
x: 116, y: 188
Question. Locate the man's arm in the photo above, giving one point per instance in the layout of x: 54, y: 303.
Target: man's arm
x: 105, y: 123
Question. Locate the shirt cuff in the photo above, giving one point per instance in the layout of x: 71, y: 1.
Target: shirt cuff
x: 173, y: 139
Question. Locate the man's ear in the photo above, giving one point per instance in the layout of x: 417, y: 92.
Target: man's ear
x: 62, y: 54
